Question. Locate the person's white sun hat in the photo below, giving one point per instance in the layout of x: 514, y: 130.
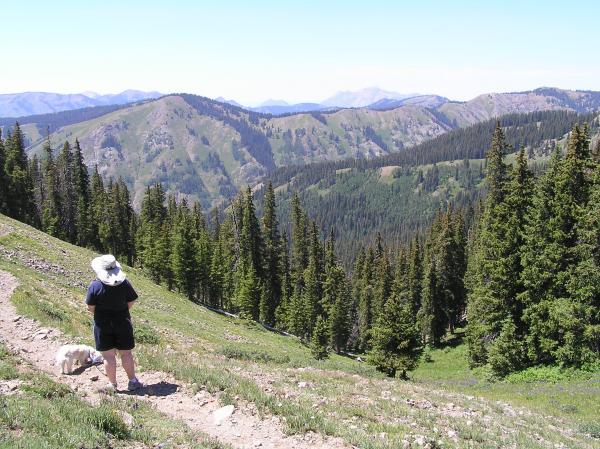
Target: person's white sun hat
x: 108, y: 270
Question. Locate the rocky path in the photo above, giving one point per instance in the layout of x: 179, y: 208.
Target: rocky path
x: 240, y: 427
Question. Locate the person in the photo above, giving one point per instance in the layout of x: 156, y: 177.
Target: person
x: 109, y: 298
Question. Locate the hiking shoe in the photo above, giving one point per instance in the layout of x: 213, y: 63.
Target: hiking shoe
x: 134, y: 384
x: 109, y: 389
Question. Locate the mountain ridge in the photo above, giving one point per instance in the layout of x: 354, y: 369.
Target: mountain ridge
x: 34, y: 103
x: 208, y: 150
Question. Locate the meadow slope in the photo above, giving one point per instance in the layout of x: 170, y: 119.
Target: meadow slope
x: 444, y: 405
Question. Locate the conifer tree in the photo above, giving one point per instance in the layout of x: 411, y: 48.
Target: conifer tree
x: 554, y: 319
x: 272, y: 255
x: 248, y: 294
x: 283, y: 310
x: 395, y: 338
x: 365, y: 301
x: 383, y: 282
x: 337, y: 296
x: 3, y: 178
x: 494, y: 282
x: 430, y: 318
x: 66, y: 185
x: 81, y: 183
x: 184, y: 258
x: 35, y: 174
x: 99, y: 217
x: 299, y: 260
x: 414, y: 275
x: 319, y: 344
x: 20, y: 203
x: 51, y: 200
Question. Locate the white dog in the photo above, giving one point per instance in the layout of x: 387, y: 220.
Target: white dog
x: 67, y: 355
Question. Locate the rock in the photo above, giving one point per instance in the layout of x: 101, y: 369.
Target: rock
x: 126, y: 417
x: 17, y: 318
x: 257, y: 444
x: 94, y: 378
x: 302, y: 384
x: 223, y: 413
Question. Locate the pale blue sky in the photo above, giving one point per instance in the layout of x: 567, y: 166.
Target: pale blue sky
x: 300, y: 51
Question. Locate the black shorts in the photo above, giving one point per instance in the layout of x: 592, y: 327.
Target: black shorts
x: 113, y: 332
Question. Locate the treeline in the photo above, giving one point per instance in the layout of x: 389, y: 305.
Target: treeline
x: 534, y: 265
x: 54, y: 120
x: 531, y: 129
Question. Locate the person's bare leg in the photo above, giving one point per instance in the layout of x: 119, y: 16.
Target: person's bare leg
x: 110, y: 365
x: 128, y: 363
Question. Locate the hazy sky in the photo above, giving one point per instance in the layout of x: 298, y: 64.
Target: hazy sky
x: 298, y: 51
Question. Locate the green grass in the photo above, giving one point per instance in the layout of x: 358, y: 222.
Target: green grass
x: 242, y: 361
x: 47, y: 414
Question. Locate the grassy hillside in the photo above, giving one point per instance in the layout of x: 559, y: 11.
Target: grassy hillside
x: 47, y: 414
x: 208, y: 150
x: 445, y: 405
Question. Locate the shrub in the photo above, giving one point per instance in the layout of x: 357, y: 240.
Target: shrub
x: 144, y: 333
x: 238, y: 353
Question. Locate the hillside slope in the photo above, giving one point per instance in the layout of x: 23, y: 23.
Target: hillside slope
x: 243, y: 363
x: 208, y: 150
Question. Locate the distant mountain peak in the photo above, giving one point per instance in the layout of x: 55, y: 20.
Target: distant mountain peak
x: 231, y: 102
x: 273, y: 102
x: 363, y: 97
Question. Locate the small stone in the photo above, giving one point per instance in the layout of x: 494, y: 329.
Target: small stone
x: 257, y: 443
x: 126, y: 417
x: 223, y: 413
x: 17, y: 318
x: 94, y: 378
x: 302, y: 384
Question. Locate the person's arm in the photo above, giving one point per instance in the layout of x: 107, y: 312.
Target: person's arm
x: 131, y: 295
x: 90, y: 299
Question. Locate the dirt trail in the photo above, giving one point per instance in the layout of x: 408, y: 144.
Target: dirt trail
x: 202, y: 411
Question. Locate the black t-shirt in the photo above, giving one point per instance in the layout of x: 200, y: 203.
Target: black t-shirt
x: 110, y: 301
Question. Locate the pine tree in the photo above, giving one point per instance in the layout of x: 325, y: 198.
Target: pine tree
x: 415, y: 275
x: 365, y: 301
x: 184, y: 256
x: 248, y: 294
x: 320, y: 340
x: 20, y: 201
x: 272, y: 255
x: 299, y: 260
x: 51, y: 199
x: 100, y: 230
x: 395, y: 338
x: 153, y: 240
x: 337, y: 296
x: 250, y: 237
x: 4, y: 185
x: 81, y: 183
x: 494, y: 279
x: 283, y: 310
x: 66, y: 186
x: 555, y: 321
x: 583, y: 284
x: 35, y: 173
x: 383, y: 282
x: 430, y: 318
